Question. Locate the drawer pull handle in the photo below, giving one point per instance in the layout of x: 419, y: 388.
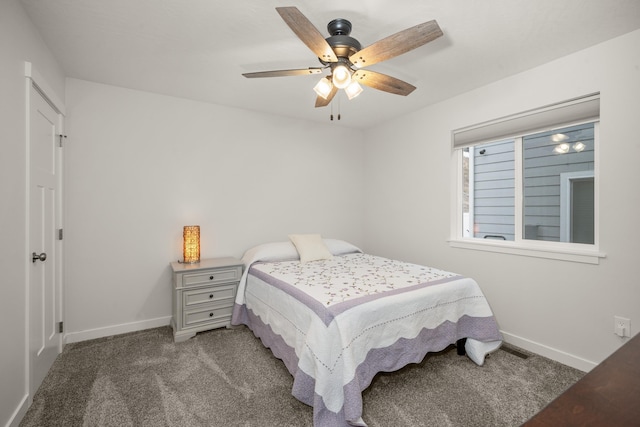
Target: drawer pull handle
x: 210, y: 277
x: 211, y: 296
x: 210, y: 314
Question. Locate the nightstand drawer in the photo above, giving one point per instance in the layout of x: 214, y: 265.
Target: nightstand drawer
x: 209, y: 295
x: 219, y: 275
x: 212, y: 315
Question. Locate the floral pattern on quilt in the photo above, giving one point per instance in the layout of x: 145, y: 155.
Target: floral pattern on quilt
x: 346, y: 277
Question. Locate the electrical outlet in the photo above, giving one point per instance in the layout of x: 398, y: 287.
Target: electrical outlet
x: 621, y: 326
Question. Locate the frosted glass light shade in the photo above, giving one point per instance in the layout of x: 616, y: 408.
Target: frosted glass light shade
x: 353, y: 90
x: 323, y: 88
x: 191, y: 244
x: 341, y: 76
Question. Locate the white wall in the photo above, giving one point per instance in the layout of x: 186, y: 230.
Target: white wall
x: 19, y: 42
x: 140, y: 166
x: 562, y: 309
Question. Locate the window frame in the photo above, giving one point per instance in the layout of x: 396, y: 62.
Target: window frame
x: 564, y: 251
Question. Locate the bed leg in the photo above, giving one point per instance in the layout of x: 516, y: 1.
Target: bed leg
x: 460, y: 345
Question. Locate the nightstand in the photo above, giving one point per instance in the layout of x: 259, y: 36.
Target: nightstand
x: 203, y: 295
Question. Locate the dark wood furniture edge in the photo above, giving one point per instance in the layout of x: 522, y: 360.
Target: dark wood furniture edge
x: 608, y: 395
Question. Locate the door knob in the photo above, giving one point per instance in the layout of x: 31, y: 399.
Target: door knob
x: 35, y: 257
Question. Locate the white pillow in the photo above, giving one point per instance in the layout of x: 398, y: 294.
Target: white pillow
x: 286, y: 251
x: 311, y: 247
x: 277, y: 251
x: 341, y: 247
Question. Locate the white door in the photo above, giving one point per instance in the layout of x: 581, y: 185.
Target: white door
x: 44, y: 288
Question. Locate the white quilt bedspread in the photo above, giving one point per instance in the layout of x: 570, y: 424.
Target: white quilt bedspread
x: 351, y: 276
x: 334, y: 312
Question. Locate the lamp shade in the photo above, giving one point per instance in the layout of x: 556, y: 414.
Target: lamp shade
x: 354, y: 89
x: 191, y: 244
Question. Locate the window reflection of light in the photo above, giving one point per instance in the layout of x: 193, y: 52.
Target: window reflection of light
x: 559, y: 137
x: 561, y: 148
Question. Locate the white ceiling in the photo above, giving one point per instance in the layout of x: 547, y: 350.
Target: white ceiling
x: 198, y: 49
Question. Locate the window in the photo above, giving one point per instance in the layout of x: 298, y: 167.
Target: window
x: 553, y: 161
x: 528, y: 182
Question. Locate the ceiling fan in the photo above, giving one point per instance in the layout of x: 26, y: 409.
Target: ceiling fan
x: 345, y: 58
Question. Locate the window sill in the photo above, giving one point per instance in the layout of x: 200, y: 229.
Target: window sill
x: 531, y: 249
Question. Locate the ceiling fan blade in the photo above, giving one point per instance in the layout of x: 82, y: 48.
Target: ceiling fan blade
x: 322, y: 102
x: 396, y: 44
x: 284, y: 73
x: 383, y: 82
x: 306, y: 32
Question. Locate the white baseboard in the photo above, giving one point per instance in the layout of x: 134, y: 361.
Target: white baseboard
x: 19, y: 413
x: 549, y: 352
x: 108, y: 331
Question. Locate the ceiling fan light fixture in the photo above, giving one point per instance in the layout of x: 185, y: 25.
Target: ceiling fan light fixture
x: 341, y: 76
x: 323, y: 87
x: 343, y: 54
x: 354, y: 89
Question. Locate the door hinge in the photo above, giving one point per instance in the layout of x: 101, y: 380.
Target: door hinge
x: 61, y: 327
x: 61, y: 139
x: 60, y: 234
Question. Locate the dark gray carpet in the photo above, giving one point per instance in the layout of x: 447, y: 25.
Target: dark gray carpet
x: 225, y: 377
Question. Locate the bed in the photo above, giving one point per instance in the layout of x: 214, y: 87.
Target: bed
x: 337, y: 316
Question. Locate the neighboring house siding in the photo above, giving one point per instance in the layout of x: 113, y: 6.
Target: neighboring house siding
x: 494, y: 191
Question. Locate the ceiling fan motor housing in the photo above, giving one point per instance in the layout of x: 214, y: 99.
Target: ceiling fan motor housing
x: 339, y: 27
x: 342, y: 45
